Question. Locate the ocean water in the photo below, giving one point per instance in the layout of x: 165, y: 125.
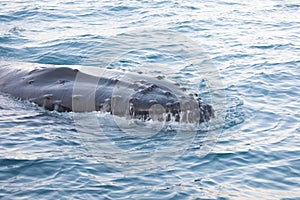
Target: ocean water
x: 242, y: 56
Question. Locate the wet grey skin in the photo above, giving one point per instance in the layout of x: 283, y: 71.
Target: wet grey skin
x: 66, y: 88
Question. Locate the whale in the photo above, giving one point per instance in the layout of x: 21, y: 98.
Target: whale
x: 65, y: 88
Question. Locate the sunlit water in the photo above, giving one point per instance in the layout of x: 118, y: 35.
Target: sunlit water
x: 253, y: 154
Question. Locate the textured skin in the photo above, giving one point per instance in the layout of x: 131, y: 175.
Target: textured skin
x: 65, y: 88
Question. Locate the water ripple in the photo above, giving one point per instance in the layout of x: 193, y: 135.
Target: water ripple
x: 255, y: 46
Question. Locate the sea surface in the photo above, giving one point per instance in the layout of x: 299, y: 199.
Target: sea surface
x: 243, y: 57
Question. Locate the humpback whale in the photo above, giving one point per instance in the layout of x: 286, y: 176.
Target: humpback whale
x: 70, y: 88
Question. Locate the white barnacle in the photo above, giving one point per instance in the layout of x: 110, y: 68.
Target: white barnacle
x: 153, y: 102
x: 47, y: 96
x: 57, y: 104
x: 76, y: 96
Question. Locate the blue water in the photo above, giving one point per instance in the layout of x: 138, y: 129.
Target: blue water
x: 253, y: 48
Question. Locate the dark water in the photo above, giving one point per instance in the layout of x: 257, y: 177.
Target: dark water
x: 253, y: 48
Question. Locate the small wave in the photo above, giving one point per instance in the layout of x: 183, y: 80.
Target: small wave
x: 123, y: 8
x: 271, y: 46
x: 234, y: 112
